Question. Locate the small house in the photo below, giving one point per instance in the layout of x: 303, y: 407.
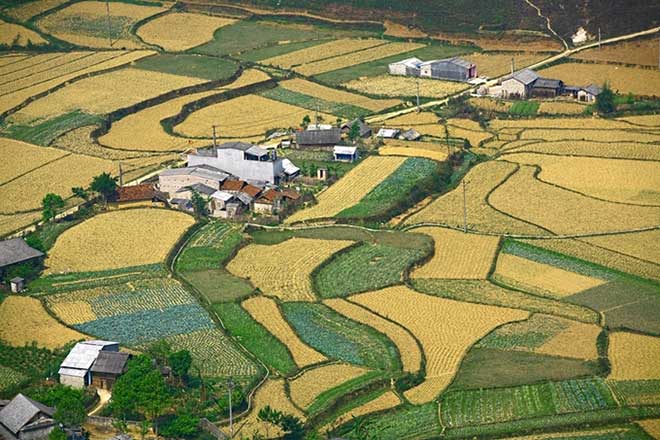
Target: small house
x: 270, y: 202
x: 225, y: 205
x: 388, y: 133
x: 364, y: 129
x: 203, y: 190
x: 407, y: 67
x: 318, y: 138
x: 107, y: 368
x: 452, y: 69
x: 137, y: 195
x: 411, y: 135
x: 345, y: 154
x: 75, y: 370
x: 291, y: 196
x: 25, y: 419
x: 519, y: 85
x: 588, y: 93
x: 16, y: 251
x: 251, y: 190
x: 547, y: 88
x: 290, y: 170
x: 172, y: 180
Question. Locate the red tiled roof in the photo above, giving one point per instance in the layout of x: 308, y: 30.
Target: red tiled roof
x: 291, y: 194
x: 251, y: 190
x: 270, y: 196
x: 233, y: 185
x: 144, y: 191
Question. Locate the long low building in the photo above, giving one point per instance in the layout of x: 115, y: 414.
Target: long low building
x: 452, y: 69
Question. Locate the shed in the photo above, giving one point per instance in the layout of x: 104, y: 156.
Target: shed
x: 269, y: 202
x: 411, y: 135
x: 452, y: 69
x: 107, y: 368
x: 75, y: 369
x: 135, y: 193
x: 16, y: 251
x: 407, y: 67
x: 17, y: 284
x: 345, y: 154
x: 290, y: 170
x: 388, y: 133
x: 520, y: 84
x: 233, y: 185
x: 588, y: 93
x: 365, y: 130
x: 24, y: 418
x: 547, y: 88
x: 318, y: 138
x: 251, y: 190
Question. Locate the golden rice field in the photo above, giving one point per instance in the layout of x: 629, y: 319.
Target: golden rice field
x: 561, y: 108
x: 350, y: 189
x: 245, y: 116
x: 14, y: 222
x: 19, y: 91
x: 633, y: 356
x: 591, y: 135
x: 353, y: 58
x: 25, y: 193
x: 24, y: 320
x: 593, y: 123
x: 21, y: 157
x: 335, y: 95
x: 180, y: 31
x: 619, y: 150
x: 82, y: 23
x: 409, y: 351
x: 9, y: 59
x: 525, y: 197
x: 284, y: 269
x: 104, y: 93
x: 643, y: 245
x: 427, y: 150
x: 643, y: 120
x: 128, y: 238
x: 542, y: 278
x: 641, y: 52
x: 25, y: 11
x: 387, y: 400
x: 645, y: 82
x: 272, y: 393
x: 267, y: 313
x: 493, y: 65
x: 493, y: 105
x: 651, y: 426
x: 468, y: 129
x: 628, y: 181
x: 389, y: 85
x: 319, y: 52
x: 458, y: 255
x: 414, y: 119
x: 577, y: 341
x: 308, y: 386
x: 445, y: 328
x: 448, y: 208
x: 11, y: 33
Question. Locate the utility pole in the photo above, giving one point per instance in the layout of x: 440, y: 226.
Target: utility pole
x: 317, y: 115
x: 513, y: 65
x: 230, y: 387
x: 214, y: 141
x: 418, y: 108
x: 599, y: 39
x: 464, y: 206
x: 107, y: 13
x: 121, y: 176
x: 658, y: 53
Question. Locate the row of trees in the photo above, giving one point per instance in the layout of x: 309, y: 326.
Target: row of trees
x: 103, y: 185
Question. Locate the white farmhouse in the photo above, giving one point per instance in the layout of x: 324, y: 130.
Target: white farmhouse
x: 407, y: 67
x: 75, y: 370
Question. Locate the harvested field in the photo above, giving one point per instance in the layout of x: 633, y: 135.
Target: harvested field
x: 540, y: 278
x: 643, y: 120
x: 428, y: 150
x: 85, y: 23
x: 11, y: 33
x: 628, y: 181
x: 445, y: 328
x: 641, y: 52
x: 180, y: 31
x: 321, y: 52
x: 49, y: 80
x: 651, y: 426
x: 577, y: 341
x: 359, y: 57
x: 350, y: 189
x: 245, y: 116
x: 426, y: 123
x: 389, y: 85
x: 642, y: 245
x: 287, y: 278
x: 26, y: 192
x: 409, y: 351
x: 468, y: 129
x: 458, y: 255
x: 13, y: 222
x: 494, y: 65
x: 521, y: 195
x: 633, y: 356
x: 619, y: 150
x: 387, y: 400
x: 482, y: 179
x: 129, y: 238
x: 591, y: 135
x: 20, y: 158
x: 492, y: 105
x: 25, y: 11
x: 645, y: 82
x: 265, y: 311
x: 335, y: 95
x: 592, y: 123
x: 272, y: 394
x: 104, y: 93
x: 561, y: 108
x: 24, y: 321
x: 307, y: 387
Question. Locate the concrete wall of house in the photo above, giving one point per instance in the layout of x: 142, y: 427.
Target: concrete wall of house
x: 513, y: 88
x: 263, y: 208
x: 72, y: 381
x: 37, y: 434
x: 171, y: 184
x: 397, y: 69
x: 448, y: 71
x: 103, y: 381
x: 585, y: 96
x: 232, y: 161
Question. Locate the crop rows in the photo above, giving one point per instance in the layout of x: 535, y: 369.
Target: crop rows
x: 636, y: 392
x: 396, y: 86
x: 9, y: 377
x: 524, y: 335
x: 410, y: 422
x: 181, y: 31
x: 210, y: 235
x: 346, y: 111
x: 322, y: 51
x: 634, y: 356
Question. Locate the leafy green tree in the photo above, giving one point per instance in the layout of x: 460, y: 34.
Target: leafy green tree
x: 160, y: 350
x: 105, y: 185
x: 306, y: 121
x: 199, y: 204
x: 70, y: 409
x: 292, y: 426
x: 57, y: 434
x: 354, y: 132
x: 80, y: 192
x: 180, y: 363
x: 605, y: 100
x: 50, y: 205
x: 183, y: 425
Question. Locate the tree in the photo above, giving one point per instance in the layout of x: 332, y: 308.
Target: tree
x: 306, y: 121
x: 292, y: 426
x: 80, y: 192
x: 199, y: 204
x: 180, y: 363
x: 160, y: 351
x: 70, y: 409
x: 57, y: 434
x: 105, y: 185
x: 605, y: 100
x: 182, y: 425
x: 354, y: 132
x: 50, y: 204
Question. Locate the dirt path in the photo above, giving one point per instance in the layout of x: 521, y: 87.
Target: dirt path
x: 547, y: 23
x: 104, y: 398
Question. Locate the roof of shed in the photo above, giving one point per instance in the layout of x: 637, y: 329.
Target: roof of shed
x: 20, y: 411
x: 233, y: 185
x: 364, y: 128
x: 318, y: 137
x: 257, y: 151
x: 16, y: 250
x: 270, y: 196
x: 83, y: 354
x: 411, y: 135
x: 289, y: 167
x: 525, y: 76
x: 143, y: 191
x: 110, y: 362
x: 593, y: 89
x: 291, y: 194
x: 340, y: 149
x: 222, y: 195
x: 251, y: 190
x: 547, y: 83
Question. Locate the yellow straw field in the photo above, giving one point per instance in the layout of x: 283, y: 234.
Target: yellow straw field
x: 284, y: 270
x: 24, y: 320
x: 628, y: 181
x: 128, y: 238
x: 11, y: 33
x: 643, y: 120
x: 322, y: 51
x: 577, y: 341
x: 104, y: 93
x: 359, y: 57
x: 13, y: 222
x: 445, y: 328
x: 542, y: 278
x: 468, y: 129
x: 335, y: 95
x: 619, y: 150
x: 652, y: 426
x: 351, y: 188
x: 643, y: 245
x: 181, y: 30
x: 633, y: 80
x: 525, y: 197
x: 561, y: 108
x: 411, y: 356
x: 642, y: 52
x: 428, y: 150
x: 458, y: 255
x: 387, y: 400
x: 633, y: 356
x: 20, y: 157
x: 245, y: 116
x: 591, y: 135
x: 561, y: 123
x: 493, y: 65
x: 28, y: 10
x: 389, y: 85
x: 493, y: 105
x: 307, y: 387
x: 265, y: 311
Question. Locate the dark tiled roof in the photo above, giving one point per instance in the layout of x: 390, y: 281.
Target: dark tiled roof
x: 593, y: 89
x: 144, y: 191
x: 20, y: 411
x: 364, y: 128
x: 318, y: 137
x: 525, y: 76
x: 547, y: 83
x: 411, y: 135
x: 110, y: 362
x: 233, y: 185
x: 16, y: 250
x: 291, y: 194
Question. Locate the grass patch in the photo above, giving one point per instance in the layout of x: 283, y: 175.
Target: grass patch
x: 208, y: 255
x: 255, y: 338
x: 328, y: 397
x: 277, y: 50
x: 341, y: 338
x: 524, y: 108
x: 345, y: 111
x: 45, y: 132
x: 197, y: 66
x: 218, y: 285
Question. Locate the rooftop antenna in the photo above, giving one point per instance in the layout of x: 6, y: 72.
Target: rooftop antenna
x: 107, y: 13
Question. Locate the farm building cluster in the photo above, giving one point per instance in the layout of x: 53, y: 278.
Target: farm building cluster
x: 451, y: 69
x: 25, y: 419
x: 93, y: 363
x: 526, y: 83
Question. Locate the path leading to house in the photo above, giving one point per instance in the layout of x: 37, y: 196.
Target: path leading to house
x: 104, y: 398
x: 547, y: 23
